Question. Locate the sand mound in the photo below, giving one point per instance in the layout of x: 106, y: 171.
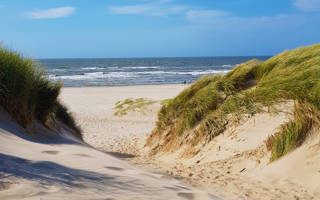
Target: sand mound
x: 65, y: 168
x: 236, y: 164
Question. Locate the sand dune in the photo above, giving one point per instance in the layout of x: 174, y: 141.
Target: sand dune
x: 235, y: 165
x: 64, y: 168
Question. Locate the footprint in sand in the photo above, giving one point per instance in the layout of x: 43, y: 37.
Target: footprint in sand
x: 4, y: 185
x: 184, y: 188
x: 115, y: 168
x: 172, y: 188
x: 51, y: 152
x: 185, y: 195
x: 82, y: 155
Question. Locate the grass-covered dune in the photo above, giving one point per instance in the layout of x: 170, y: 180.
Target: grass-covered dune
x: 27, y: 95
x: 204, y: 110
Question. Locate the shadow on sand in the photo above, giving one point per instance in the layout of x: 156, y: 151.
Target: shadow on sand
x: 46, y: 137
x: 121, y: 155
x: 49, y: 172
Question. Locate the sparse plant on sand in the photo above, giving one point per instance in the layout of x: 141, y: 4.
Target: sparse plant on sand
x: 139, y: 105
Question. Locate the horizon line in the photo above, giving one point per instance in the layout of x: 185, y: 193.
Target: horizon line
x: 151, y: 57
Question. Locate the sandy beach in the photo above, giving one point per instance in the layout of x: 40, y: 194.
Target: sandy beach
x: 235, y: 165
x: 160, y: 100
x: 93, y: 108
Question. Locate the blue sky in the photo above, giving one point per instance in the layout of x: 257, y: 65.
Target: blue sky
x: 157, y: 28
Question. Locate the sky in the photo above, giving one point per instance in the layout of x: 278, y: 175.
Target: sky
x: 157, y: 28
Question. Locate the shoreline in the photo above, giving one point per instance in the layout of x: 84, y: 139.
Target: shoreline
x: 120, y: 86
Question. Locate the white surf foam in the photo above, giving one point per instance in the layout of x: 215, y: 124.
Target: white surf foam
x: 123, y: 75
x: 91, y: 68
x: 56, y: 70
x: 93, y: 75
x: 194, y: 73
x: 143, y: 67
x: 228, y: 66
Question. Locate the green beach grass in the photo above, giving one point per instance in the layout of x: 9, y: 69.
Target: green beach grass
x: 124, y: 107
x: 27, y: 94
x: 208, y: 105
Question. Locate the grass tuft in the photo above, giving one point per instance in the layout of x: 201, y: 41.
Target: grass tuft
x: 139, y: 104
x: 293, y: 133
x: 208, y: 105
x: 61, y: 113
x: 25, y: 91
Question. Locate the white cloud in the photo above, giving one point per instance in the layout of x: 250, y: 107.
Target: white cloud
x: 308, y: 5
x: 236, y: 35
x: 204, y: 15
x: 218, y: 18
x: 51, y: 13
x: 159, y: 8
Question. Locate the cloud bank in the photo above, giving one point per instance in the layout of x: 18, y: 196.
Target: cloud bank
x: 308, y: 5
x: 159, y: 8
x: 205, y: 15
x: 51, y: 13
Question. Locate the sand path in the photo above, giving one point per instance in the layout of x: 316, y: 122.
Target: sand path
x: 93, y: 108
x: 64, y: 168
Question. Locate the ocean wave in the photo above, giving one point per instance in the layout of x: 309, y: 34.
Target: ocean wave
x: 93, y: 75
x: 228, y: 66
x: 142, y: 67
x: 91, y: 68
x: 120, y: 74
x: 102, y: 75
x: 209, y: 72
x: 56, y: 70
x: 194, y: 73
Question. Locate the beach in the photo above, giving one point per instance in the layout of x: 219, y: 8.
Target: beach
x: 93, y: 108
x: 160, y: 100
x: 235, y: 165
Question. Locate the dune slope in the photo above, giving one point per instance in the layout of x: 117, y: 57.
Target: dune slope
x: 66, y: 168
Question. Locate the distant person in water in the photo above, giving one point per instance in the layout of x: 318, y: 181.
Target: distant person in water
x: 185, y: 82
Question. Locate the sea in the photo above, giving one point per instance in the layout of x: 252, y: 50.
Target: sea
x: 137, y: 71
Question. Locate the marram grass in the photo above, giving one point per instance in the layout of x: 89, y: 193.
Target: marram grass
x: 212, y: 101
x: 26, y: 93
x: 127, y: 105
